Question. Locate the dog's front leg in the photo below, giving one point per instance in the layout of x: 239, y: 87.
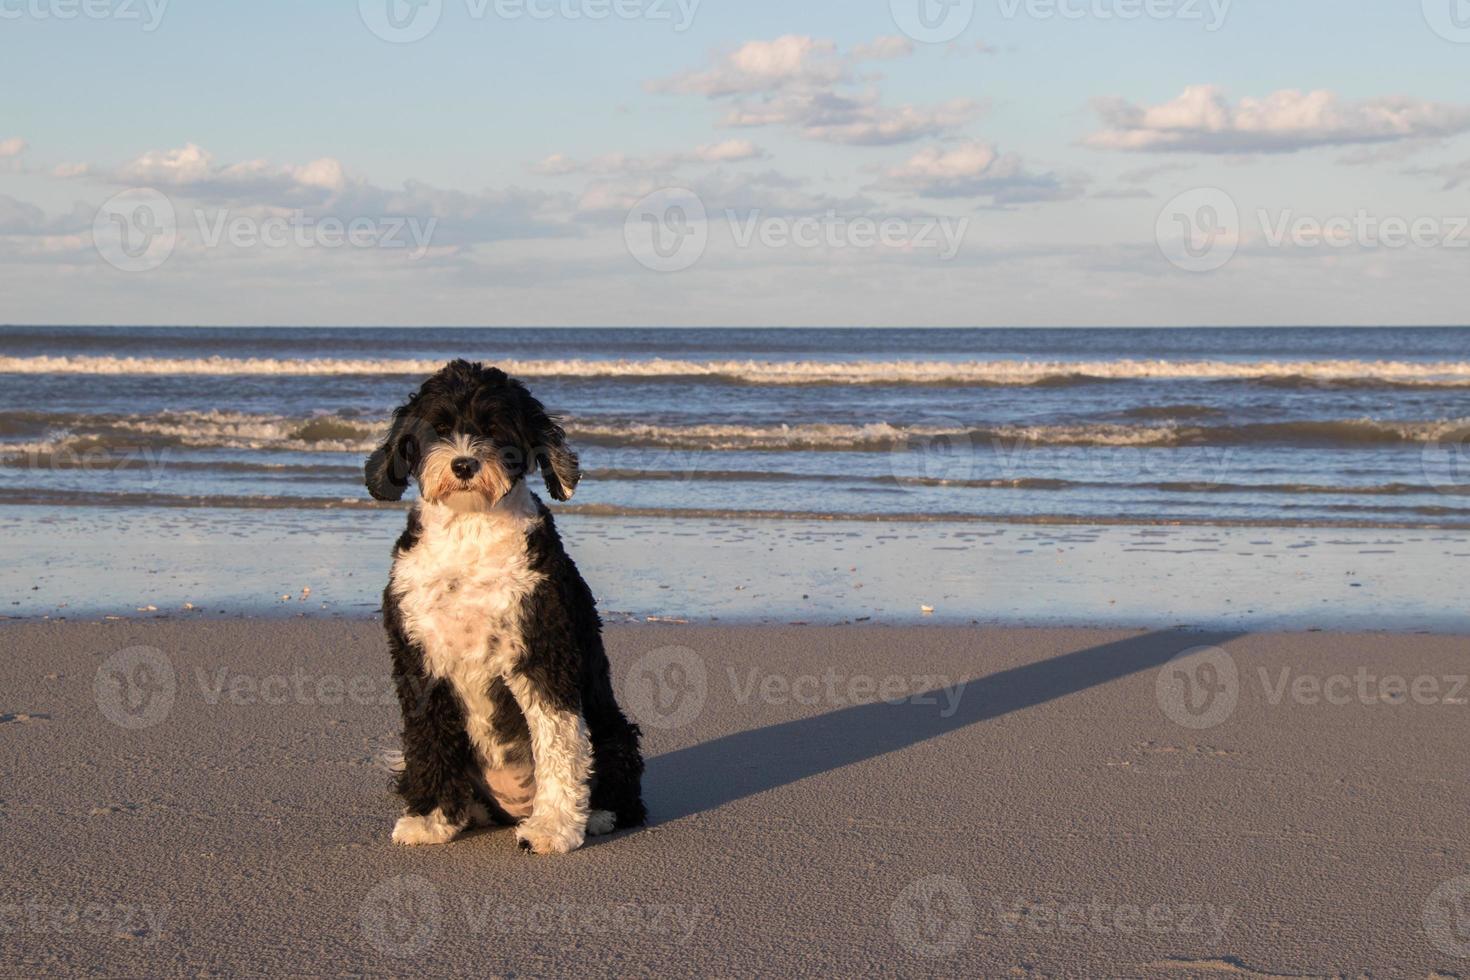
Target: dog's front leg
x: 563, y: 757
x: 438, y: 794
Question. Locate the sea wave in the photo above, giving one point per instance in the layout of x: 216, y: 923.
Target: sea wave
x: 68, y: 435
x: 1345, y: 516
x: 882, y: 436
x: 977, y: 373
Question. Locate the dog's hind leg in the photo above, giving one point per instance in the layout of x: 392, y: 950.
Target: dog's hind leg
x: 617, y: 763
x: 617, y: 768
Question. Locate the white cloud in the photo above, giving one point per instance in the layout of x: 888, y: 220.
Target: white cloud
x: 808, y: 86
x: 193, y: 171
x: 762, y: 66
x: 973, y: 170
x: 1202, y: 120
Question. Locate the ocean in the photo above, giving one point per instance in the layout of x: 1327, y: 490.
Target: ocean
x: 1348, y: 427
x: 110, y: 432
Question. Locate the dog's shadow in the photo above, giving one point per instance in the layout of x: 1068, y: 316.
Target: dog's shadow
x: 708, y: 775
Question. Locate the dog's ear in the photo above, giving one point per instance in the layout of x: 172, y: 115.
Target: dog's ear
x: 559, y: 466
x: 543, y: 441
x: 389, y: 467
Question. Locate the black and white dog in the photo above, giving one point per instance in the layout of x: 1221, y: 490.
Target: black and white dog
x: 508, y: 707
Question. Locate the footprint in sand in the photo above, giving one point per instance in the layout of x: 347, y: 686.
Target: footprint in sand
x: 21, y: 719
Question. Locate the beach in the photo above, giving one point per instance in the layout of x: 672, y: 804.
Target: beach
x: 956, y: 653
x: 187, y: 798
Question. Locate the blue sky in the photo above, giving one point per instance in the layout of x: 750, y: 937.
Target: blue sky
x: 798, y: 164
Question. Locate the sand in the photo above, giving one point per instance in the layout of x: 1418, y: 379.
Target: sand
x: 224, y: 808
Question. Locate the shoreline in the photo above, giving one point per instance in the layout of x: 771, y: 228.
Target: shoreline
x: 90, y: 563
x: 826, y: 799
x: 105, y: 500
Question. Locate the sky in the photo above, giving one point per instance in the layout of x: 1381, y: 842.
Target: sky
x: 735, y: 162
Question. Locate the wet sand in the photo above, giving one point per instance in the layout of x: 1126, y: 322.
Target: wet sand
x: 186, y: 798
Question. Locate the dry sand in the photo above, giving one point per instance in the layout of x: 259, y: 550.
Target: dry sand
x: 1048, y: 819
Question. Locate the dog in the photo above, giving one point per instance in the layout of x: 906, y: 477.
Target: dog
x: 508, y: 709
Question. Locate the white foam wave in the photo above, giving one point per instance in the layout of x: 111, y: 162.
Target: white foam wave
x: 241, y: 431
x: 987, y: 372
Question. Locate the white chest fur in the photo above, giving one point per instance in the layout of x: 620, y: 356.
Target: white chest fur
x: 460, y: 592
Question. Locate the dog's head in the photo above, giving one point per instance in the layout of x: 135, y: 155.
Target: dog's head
x: 471, y: 430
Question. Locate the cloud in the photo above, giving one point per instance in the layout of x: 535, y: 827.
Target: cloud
x: 763, y: 66
x: 192, y: 171
x: 21, y: 218
x: 1202, y: 120
x: 972, y: 170
x: 808, y: 86
x: 727, y: 151
x: 326, y: 189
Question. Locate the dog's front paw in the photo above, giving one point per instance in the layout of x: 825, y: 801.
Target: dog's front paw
x: 431, y: 828
x: 544, y: 837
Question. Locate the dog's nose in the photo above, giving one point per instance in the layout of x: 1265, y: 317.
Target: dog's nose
x: 465, y: 467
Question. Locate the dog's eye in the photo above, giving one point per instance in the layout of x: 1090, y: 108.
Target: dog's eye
x: 441, y: 429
